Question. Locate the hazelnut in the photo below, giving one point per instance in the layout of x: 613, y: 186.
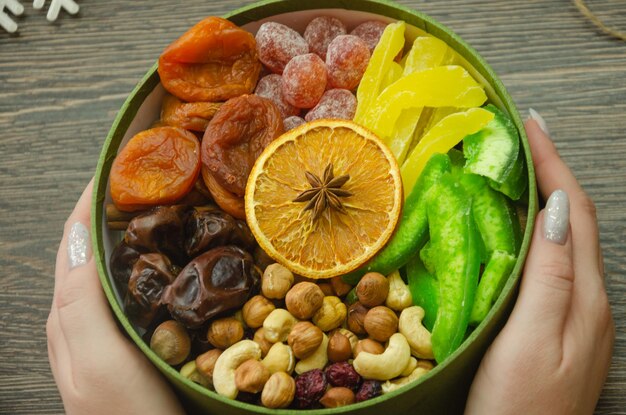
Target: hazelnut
x: 331, y: 314
x: 340, y: 287
x: 276, y: 281
x: 339, y: 347
x: 251, y: 376
x: 352, y: 338
x: 380, y: 323
x: 259, y: 338
x: 369, y: 346
x: 372, y: 289
x: 279, y: 391
x: 326, y: 288
x: 205, y: 363
x: 171, y: 342
x: 225, y: 332
x: 304, y: 299
x: 336, y: 397
x: 304, y: 339
x: 190, y: 371
x: 255, y: 310
x: 356, y: 318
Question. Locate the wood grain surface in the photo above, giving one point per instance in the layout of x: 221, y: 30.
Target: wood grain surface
x: 62, y: 83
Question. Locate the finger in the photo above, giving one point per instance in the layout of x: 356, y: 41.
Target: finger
x: 553, y: 174
x: 82, y: 310
x: 58, y: 352
x: 547, y: 287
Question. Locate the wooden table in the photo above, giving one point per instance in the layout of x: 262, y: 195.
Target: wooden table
x: 61, y: 85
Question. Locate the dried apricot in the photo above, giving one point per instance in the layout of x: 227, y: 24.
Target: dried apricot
x: 213, y: 61
x: 228, y: 202
x: 157, y: 166
x: 277, y: 44
x: 193, y: 116
x: 236, y: 136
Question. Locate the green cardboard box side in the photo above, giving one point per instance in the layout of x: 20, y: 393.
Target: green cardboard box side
x: 445, y: 388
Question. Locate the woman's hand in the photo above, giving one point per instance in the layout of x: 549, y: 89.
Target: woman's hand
x: 96, y: 369
x: 553, y: 355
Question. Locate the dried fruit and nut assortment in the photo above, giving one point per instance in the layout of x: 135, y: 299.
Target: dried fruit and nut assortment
x: 316, y: 218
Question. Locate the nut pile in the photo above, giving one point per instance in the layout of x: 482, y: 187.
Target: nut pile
x: 305, y: 344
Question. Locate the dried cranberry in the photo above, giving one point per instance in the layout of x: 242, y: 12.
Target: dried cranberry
x: 368, y: 390
x: 310, y: 387
x: 343, y: 374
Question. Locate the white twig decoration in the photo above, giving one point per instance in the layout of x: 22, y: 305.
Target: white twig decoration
x: 15, y: 8
x: 55, y: 7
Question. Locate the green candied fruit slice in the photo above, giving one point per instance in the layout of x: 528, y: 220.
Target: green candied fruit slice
x: 492, y: 151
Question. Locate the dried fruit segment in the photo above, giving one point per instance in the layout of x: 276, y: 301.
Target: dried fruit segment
x: 321, y: 31
x: 157, y: 166
x: 214, y: 61
x: 335, y: 103
x: 346, y: 60
x: 304, y: 80
x: 277, y: 44
x: 324, y: 198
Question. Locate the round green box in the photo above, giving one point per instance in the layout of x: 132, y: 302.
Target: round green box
x: 445, y: 388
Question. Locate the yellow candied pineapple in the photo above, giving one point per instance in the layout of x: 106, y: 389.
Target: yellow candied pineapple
x: 390, y: 44
x: 443, y: 86
x: 440, y: 139
x: 427, y: 52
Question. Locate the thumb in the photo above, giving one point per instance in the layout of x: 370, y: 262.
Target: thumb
x: 547, y: 284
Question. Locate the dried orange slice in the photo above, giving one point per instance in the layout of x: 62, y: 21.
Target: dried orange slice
x: 323, y: 198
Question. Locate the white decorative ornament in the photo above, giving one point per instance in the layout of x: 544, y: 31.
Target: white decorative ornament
x: 55, y: 7
x: 16, y: 9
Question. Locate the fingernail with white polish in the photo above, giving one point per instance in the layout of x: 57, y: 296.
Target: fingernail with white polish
x: 78, y: 246
x: 539, y: 120
x: 556, y: 217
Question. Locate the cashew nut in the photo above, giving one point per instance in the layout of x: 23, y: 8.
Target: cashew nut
x: 388, y: 365
x: 278, y: 324
x: 410, y: 367
x: 228, y: 362
x: 279, y: 358
x: 399, y: 296
x: 392, y: 385
x: 419, y: 338
x: 317, y: 360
